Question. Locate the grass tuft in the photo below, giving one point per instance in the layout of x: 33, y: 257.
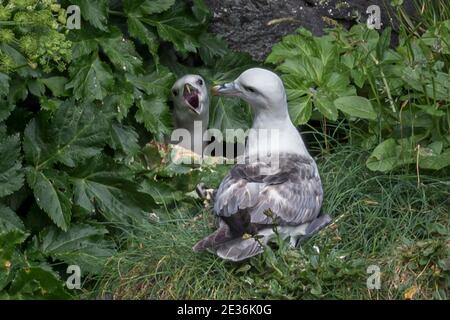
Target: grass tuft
x: 384, y: 220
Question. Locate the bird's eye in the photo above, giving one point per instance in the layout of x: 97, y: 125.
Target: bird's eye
x: 250, y: 89
x: 175, y: 92
x: 200, y: 82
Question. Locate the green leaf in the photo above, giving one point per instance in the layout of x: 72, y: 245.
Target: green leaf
x: 139, y: 31
x: 9, y: 220
x: 124, y: 138
x: 229, y: 113
x: 112, y: 189
x: 11, y: 173
x: 5, y: 108
x: 147, y: 6
x: 38, y: 282
x: 4, y: 84
x: 83, y: 245
x: 435, y: 161
x: 177, y: 27
x: 34, y: 146
x: 96, y: 12
x: 121, y: 52
x: 356, y: 106
x: 92, y: 80
x: 384, y: 157
x: 76, y: 132
x: 35, y: 87
x: 229, y: 67
x: 55, y: 84
x: 162, y: 193
x: 325, y: 105
x: 200, y: 10
x: 155, y: 83
x: 52, y: 195
x: 211, y: 47
x: 154, y: 113
x: 432, y: 110
x: 10, y: 239
x: 300, y: 110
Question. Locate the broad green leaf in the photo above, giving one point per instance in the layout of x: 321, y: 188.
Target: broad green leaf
x: 9, y: 220
x: 120, y: 103
x: 139, y: 31
x: 153, y: 112
x: 384, y: 157
x: 96, y: 12
x: 52, y: 194
x: 300, y: 110
x: 229, y: 67
x: 111, y: 189
x: 5, y: 108
x: 76, y: 132
x: 55, y: 84
x: 147, y: 6
x: 121, y: 52
x: 325, y: 105
x: 91, y: 80
x: 4, y: 84
x: 34, y: 142
x: 200, y: 10
x: 124, y: 138
x: 162, y: 193
x: 155, y: 83
x: 291, y: 46
x: 38, y: 282
x: 296, y: 88
x: 432, y: 110
x: 383, y: 43
x: 19, y: 60
x: 11, y: 173
x: 356, y: 106
x: 211, y: 47
x: 177, y: 27
x: 228, y: 113
x: 10, y: 240
x: 36, y: 87
x: 435, y: 161
x: 83, y: 245
x: 156, y: 6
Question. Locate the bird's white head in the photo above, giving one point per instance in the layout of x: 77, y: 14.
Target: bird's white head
x: 260, y: 88
x: 190, y: 94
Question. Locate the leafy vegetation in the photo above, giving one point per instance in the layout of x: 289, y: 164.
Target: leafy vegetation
x: 75, y: 108
x: 395, y: 101
x: 379, y: 219
x: 85, y: 178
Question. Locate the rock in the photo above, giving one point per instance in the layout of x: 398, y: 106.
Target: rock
x: 254, y: 26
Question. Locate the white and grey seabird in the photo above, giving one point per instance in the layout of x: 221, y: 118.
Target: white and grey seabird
x: 191, y: 110
x: 254, y: 202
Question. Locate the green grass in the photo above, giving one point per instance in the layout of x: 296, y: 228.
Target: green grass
x: 392, y: 221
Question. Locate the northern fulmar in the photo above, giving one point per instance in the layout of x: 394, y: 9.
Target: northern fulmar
x: 256, y: 201
x: 191, y: 111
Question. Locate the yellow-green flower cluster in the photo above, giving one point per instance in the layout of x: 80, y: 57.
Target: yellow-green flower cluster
x: 36, y: 29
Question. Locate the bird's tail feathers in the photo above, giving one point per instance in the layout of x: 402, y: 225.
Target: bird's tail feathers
x: 222, y: 235
x: 240, y: 249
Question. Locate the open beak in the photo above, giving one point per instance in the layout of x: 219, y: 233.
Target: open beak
x: 226, y: 89
x: 192, y: 97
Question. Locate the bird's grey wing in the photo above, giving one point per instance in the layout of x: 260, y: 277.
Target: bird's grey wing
x: 291, y: 195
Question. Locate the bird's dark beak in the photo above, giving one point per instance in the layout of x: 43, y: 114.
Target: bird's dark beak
x: 226, y: 89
